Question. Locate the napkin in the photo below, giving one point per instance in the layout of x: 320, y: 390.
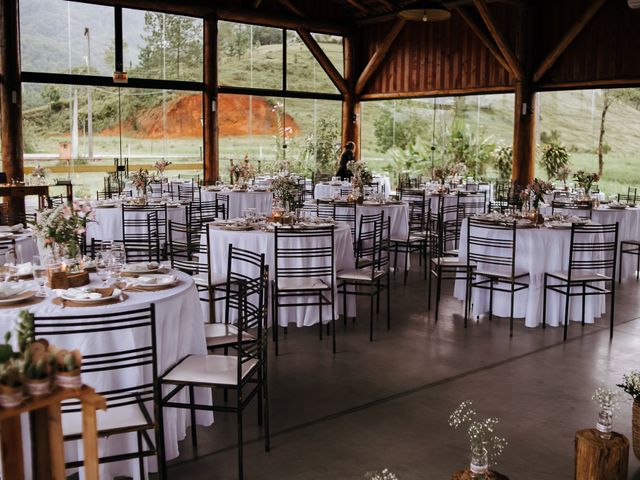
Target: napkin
x: 13, y: 228
x: 80, y: 294
x: 24, y: 269
x: 141, y: 266
x: 11, y: 289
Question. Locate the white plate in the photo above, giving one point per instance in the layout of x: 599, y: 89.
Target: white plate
x: 116, y: 293
x: 142, y: 271
x: 21, y: 297
x: 162, y: 280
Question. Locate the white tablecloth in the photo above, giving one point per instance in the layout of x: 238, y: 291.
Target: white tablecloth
x: 108, y: 224
x: 240, y: 201
x: 264, y: 242
x: 329, y: 190
x: 26, y: 248
x: 179, y: 332
x: 538, y: 250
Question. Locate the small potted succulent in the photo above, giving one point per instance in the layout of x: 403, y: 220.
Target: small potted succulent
x: 67, y: 367
x: 37, y: 368
x: 10, y: 375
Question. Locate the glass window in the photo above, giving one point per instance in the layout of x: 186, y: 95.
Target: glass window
x: 162, y: 46
x: 249, y: 56
x: 66, y: 37
x: 332, y: 45
x: 304, y: 73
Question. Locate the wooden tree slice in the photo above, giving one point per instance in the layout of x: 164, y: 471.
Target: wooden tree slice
x: 600, y: 459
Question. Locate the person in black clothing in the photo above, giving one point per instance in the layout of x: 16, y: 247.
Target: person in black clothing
x: 348, y: 154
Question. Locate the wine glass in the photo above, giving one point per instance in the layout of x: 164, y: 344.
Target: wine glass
x: 39, y: 271
x: 103, y: 268
x: 9, y: 268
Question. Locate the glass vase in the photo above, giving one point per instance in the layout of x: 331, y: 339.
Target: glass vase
x: 479, y: 466
x: 605, y: 424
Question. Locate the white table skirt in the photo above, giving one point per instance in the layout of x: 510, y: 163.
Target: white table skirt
x: 26, y: 248
x: 264, y: 242
x: 108, y: 224
x: 538, y: 250
x: 179, y: 332
x: 628, y: 229
x: 327, y: 190
x: 239, y: 202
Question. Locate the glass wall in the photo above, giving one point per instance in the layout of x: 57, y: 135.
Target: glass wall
x: 415, y: 135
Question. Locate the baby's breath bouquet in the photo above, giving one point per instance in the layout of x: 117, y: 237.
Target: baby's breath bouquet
x: 285, y: 189
x: 385, y: 474
x: 485, y: 446
x: 631, y: 384
x: 607, y: 399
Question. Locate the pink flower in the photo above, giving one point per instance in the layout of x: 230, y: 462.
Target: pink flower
x: 66, y: 212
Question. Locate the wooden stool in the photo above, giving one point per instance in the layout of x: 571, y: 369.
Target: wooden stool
x: 600, y: 459
x: 466, y: 475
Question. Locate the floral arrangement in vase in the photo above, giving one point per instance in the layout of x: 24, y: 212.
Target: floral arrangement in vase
x: 535, y: 192
x: 241, y: 172
x: 459, y: 170
x: 443, y: 172
x: 607, y: 399
x: 485, y: 446
x: 586, y: 180
x: 563, y: 175
x: 161, y: 166
x: 385, y: 474
x: 285, y: 189
x: 60, y: 228
x: 141, y: 180
x: 631, y: 385
x: 39, y: 173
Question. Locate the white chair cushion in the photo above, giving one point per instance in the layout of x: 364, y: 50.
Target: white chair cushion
x: 588, y: 276
x: 360, y: 275
x: 411, y: 239
x: 223, y: 334
x: 113, y: 418
x: 209, y: 369
x: 450, y: 262
x: 302, y: 284
x: 498, y: 271
x: 202, y: 280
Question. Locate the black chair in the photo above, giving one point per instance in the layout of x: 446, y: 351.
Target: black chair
x: 161, y: 213
x: 370, y: 277
x: 592, y: 263
x: 96, y: 246
x: 222, y: 204
x: 346, y: 212
x: 630, y: 197
x: 417, y: 239
x: 56, y: 200
x: 133, y: 393
x: 304, y: 273
x: 188, y: 193
x: 11, y: 219
x: 201, y: 213
x: 245, y: 373
x: 629, y: 247
x: 491, y: 263
x: 577, y: 208
x: 141, y: 234
x: 195, y: 179
x: 475, y: 203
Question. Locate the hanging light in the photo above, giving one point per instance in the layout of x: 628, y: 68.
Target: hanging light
x: 425, y: 12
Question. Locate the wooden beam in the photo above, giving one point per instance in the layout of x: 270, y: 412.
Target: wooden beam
x: 324, y: 61
x: 259, y: 17
x: 292, y: 8
x: 378, y: 57
x: 210, y: 101
x: 386, y: 3
x: 437, y: 92
x: 501, y: 41
x: 256, y: 3
x: 358, y: 5
x: 475, y: 26
x: 351, y: 102
x: 568, y: 38
x: 11, y: 98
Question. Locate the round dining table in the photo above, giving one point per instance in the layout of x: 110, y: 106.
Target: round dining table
x: 261, y: 241
x: 108, y: 221
x: 240, y: 201
x: 180, y: 331
x: 538, y: 250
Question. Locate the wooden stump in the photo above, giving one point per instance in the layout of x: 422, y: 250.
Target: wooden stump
x: 599, y: 459
x: 466, y: 475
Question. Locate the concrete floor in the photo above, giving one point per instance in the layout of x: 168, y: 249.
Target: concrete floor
x: 386, y: 403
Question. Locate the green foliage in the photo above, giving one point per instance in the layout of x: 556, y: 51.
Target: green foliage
x: 466, y: 147
x: 554, y: 158
x: 552, y: 137
x: 323, y: 148
x: 401, y: 129
x: 25, y: 330
x: 234, y: 39
x: 503, y: 161
x: 51, y: 95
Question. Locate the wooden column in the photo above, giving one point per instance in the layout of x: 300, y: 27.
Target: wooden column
x: 524, y: 144
x: 351, y: 102
x: 210, y: 100
x: 11, y: 98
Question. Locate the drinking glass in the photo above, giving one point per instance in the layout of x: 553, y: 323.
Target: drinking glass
x: 39, y: 271
x: 103, y: 268
x: 9, y: 268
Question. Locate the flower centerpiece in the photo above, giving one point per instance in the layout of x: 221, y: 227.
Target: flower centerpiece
x: 285, y: 190
x: 459, y: 171
x: 443, y: 172
x: 533, y: 195
x: 161, y: 166
x: 60, y: 228
x: 361, y: 177
x: 563, y: 175
x: 631, y: 385
x: 141, y: 180
x: 385, y: 474
x: 485, y: 446
x: 39, y: 174
x: 586, y: 180
x: 607, y: 399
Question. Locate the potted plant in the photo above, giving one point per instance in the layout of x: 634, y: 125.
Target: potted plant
x: 554, y: 157
x: 67, y: 367
x: 10, y: 377
x: 631, y: 385
x: 586, y: 180
x: 484, y: 445
x: 37, y: 367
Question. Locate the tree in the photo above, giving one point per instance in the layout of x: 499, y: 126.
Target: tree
x: 173, y: 46
x: 399, y: 128
x: 324, y: 148
x: 51, y: 95
x: 607, y: 100
x: 234, y: 38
